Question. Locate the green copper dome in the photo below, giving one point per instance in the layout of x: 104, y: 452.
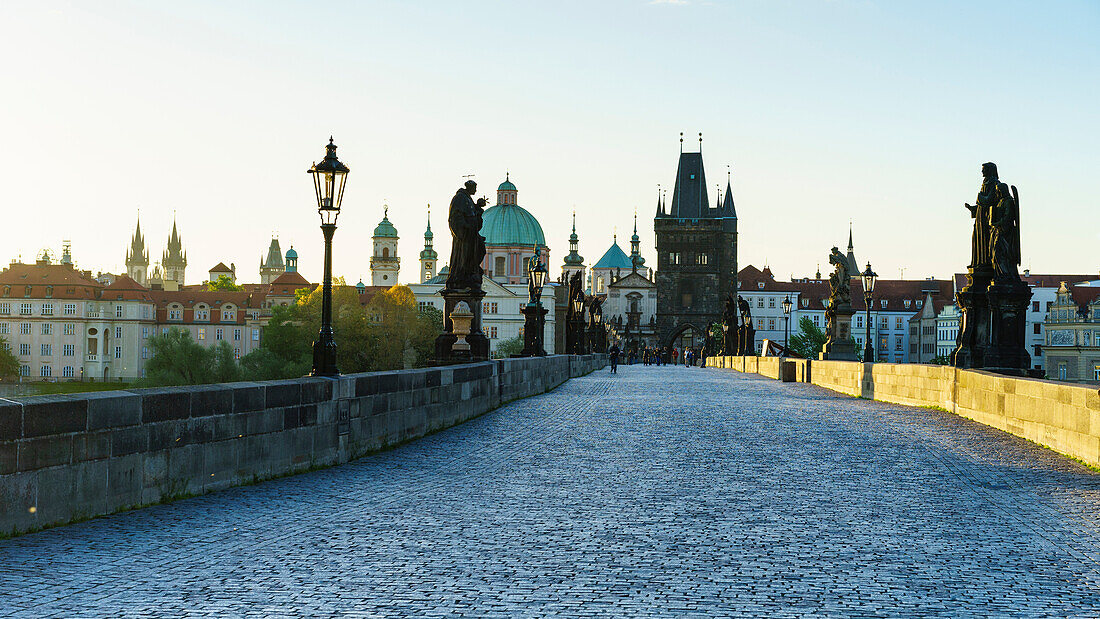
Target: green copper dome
x: 509, y: 224
x: 385, y: 228
x: 506, y: 186
x: 290, y: 253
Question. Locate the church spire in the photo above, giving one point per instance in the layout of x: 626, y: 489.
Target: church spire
x: 574, y: 259
x: 853, y: 264
x: 728, y: 209
x: 636, y: 259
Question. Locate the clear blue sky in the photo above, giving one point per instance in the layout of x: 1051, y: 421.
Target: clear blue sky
x: 878, y: 112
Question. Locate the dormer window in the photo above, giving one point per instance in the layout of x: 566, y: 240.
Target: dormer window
x: 883, y: 303
x: 26, y: 291
x: 7, y: 291
x: 920, y: 302
x: 760, y: 285
x: 906, y: 303
x: 49, y: 292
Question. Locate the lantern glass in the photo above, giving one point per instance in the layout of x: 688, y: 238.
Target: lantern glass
x: 329, y: 178
x: 787, y: 305
x: 869, y: 278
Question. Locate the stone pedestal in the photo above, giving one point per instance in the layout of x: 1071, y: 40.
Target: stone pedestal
x: 479, y: 344
x: 729, y: 340
x: 839, y: 346
x: 1006, y: 353
x: 533, y: 330
x: 974, y: 320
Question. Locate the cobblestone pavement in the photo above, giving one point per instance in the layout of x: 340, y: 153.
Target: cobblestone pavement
x: 660, y: 491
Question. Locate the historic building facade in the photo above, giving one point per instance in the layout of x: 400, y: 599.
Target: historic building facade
x: 384, y: 263
x: 272, y: 266
x: 429, y: 259
x: 696, y: 256
x: 1073, y: 333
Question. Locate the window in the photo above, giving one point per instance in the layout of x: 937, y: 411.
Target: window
x: 883, y: 302
x: 702, y: 259
x: 1037, y: 328
x: 144, y: 333
x: 1034, y: 306
x: 47, y: 350
x: 144, y: 352
x: 817, y: 320
x: 885, y: 322
x: 255, y: 335
x: 118, y: 311
x: 144, y: 311
x: 202, y: 313
x: 771, y: 324
x: 236, y: 335
x: 897, y: 323
x: 24, y: 328
x: 489, y: 308
x: 237, y: 354
x: 492, y: 333
x: 4, y: 328
x: 49, y: 292
x: 760, y: 302
x: 1062, y: 371
x: 25, y: 350
x: 47, y: 309
x: 674, y: 257
x: 771, y: 302
x: 859, y: 321
x: 68, y: 371
x: 920, y: 302
x: 24, y: 370
x: 70, y: 329
x: 175, y: 314
x: 118, y: 332
x: 500, y: 265
x: 897, y: 343
x: 905, y: 303
x: 1038, y: 350
x: 218, y: 334
x: 25, y: 309
x: 202, y: 333
x: 1096, y: 372
x: 118, y: 352
x: 46, y: 371
x: 759, y: 324
x: 229, y: 315
x: 7, y: 291
x: 1049, y: 303
x: 68, y: 350
x: 26, y: 291
x: 5, y: 308
x: 47, y: 328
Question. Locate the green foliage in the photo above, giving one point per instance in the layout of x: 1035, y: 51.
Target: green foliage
x: 941, y: 360
x: 179, y: 360
x: 808, y: 341
x: 508, y: 347
x: 223, y: 283
x: 9, y: 363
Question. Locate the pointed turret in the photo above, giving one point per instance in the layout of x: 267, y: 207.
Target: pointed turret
x: 853, y: 264
x: 174, y: 258
x: 137, y: 258
x: 273, y: 266
x: 574, y: 262
x: 728, y: 209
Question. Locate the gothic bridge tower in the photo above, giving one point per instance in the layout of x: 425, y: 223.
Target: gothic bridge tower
x: 696, y: 255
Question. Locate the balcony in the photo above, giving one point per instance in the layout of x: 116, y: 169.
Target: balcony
x: 91, y: 357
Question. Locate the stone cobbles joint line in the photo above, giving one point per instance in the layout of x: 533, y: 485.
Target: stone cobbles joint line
x: 660, y: 491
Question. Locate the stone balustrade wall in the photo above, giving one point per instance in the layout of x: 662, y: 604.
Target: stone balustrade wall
x: 64, y: 458
x: 1064, y: 417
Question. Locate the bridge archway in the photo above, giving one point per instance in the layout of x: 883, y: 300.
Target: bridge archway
x: 687, y: 335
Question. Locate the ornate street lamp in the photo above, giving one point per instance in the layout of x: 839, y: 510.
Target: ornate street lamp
x: 329, y: 177
x: 578, y: 325
x: 787, y: 326
x: 869, y: 277
x: 534, y: 313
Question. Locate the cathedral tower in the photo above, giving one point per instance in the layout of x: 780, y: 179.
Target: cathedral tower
x: 428, y: 257
x: 574, y: 262
x: 273, y: 266
x: 384, y: 263
x: 137, y: 258
x: 696, y: 256
x: 174, y: 259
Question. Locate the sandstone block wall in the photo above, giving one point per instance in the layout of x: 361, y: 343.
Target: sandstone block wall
x: 70, y: 457
x: 1062, y: 416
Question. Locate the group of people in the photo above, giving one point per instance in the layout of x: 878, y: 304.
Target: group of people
x: 655, y: 356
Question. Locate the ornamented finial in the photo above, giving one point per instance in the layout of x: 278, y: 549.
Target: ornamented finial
x: 681, y: 141
x: 700, y: 141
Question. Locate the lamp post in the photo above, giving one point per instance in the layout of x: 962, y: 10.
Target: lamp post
x: 329, y: 177
x: 869, y: 277
x: 534, y: 313
x: 578, y: 325
x: 787, y: 322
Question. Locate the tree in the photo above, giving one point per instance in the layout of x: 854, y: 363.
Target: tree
x: 179, y: 360
x: 509, y: 347
x: 809, y: 339
x: 224, y: 368
x: 402, y: 335
x: 9, y: 363
x: 222, y: 283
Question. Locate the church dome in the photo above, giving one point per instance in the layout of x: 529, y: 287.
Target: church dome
x: 506, y: 186
x: 614, y: 258
x: 509, y: 224
x: 290, y: 253
x: 385, y: 228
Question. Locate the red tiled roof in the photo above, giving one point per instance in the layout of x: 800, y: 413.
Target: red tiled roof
x: 64, y: 282
x: 220, y: 268
x: 894, y: 291
x: 125, y: 288
x: 1038, y: 280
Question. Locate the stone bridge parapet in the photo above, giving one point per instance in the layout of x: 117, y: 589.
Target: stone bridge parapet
x: 65, y: 458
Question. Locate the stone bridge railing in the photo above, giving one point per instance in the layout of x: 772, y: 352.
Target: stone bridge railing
x: 1064, y: 417
x: 64, y: 458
